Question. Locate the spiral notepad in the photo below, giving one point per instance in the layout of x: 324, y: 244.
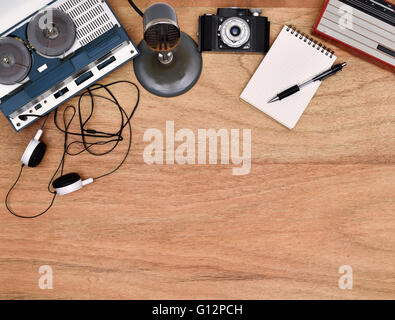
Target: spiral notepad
x: 293, y: 58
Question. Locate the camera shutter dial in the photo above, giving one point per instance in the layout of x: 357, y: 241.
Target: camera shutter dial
x: 256, y: 12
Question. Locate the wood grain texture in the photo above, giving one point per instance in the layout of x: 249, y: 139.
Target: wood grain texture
x: 317, y: 197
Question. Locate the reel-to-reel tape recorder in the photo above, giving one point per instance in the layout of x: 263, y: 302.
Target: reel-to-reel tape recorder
x: 56, y: 52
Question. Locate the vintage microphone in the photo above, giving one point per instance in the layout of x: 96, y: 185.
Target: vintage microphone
x: 169, y: 63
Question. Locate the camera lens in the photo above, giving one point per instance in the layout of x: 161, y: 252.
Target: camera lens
x: 235, y: 31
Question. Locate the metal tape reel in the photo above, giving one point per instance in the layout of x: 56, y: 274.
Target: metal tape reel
x: 51, y: 33
x: 15, y: 61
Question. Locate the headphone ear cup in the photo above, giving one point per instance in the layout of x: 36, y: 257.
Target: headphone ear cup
x: 37, y: 155
x: 69, y: 183
x: 66, y: 180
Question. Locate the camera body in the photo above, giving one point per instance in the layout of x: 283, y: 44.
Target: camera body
x: 234, y: 30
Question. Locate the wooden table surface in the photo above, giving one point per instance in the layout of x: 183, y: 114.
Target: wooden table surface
x: 318, y: 197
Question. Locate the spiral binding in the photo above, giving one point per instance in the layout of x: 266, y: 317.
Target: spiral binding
x: 310, y: 41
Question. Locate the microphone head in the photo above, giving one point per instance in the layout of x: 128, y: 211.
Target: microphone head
x: 161, y: 30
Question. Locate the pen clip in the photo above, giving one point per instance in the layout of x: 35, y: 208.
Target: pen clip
x: 329, y: 75
x: 335, y: 70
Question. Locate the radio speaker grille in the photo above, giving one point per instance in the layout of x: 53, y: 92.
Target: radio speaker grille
x: 90, y: 18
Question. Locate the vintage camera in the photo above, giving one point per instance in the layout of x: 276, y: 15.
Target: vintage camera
x: 234, y: 30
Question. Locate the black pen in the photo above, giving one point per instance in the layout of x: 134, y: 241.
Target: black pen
x: 332, y: 71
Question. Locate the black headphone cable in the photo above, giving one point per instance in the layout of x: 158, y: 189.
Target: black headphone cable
x: 136, y: 8
x: 18, y: 215
x: 84, y: 133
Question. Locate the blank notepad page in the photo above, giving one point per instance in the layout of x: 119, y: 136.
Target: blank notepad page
x: 292, y: 59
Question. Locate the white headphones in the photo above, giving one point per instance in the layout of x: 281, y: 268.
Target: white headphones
x: 69, y: 183
x: 34, y: 152
x: 65, y: 184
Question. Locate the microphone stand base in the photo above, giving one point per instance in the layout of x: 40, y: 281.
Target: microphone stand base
x: 172, y: 79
